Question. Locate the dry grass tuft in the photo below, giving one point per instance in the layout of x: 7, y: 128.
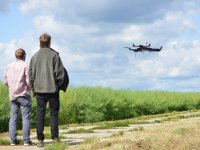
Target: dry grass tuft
x: 180, y: 135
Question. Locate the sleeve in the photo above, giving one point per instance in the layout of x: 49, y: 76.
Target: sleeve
x: 59, y: 72
x: 66, y: 81
x: 31, y: 75
x: 27, y: 78
x: 5, y: 80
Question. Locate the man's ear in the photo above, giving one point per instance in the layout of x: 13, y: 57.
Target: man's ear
x: 24, y: 58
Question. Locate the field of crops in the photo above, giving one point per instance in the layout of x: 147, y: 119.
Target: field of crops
x: 94, y: 104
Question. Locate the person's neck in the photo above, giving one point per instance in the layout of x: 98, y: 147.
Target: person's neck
x: 19, y: 59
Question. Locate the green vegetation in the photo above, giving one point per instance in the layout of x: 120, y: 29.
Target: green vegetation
x: 95, y: 104
x: 57, y: 146
x: 91, y: 140
x: 4, y: 108
x: 120, y: 133
x: 181, y: 130
x: 4, y: 142
x: 80, y: 130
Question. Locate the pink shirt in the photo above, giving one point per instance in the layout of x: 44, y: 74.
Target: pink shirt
x: 16, y: 78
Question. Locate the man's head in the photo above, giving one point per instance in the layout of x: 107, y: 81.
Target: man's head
x: 45, y: 40
x: 20, y: 54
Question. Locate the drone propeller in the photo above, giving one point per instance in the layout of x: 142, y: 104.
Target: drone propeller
x: 135, y: 45
x: 147, y: 44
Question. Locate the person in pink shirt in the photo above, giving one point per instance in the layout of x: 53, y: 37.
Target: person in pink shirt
x: 17, y: 80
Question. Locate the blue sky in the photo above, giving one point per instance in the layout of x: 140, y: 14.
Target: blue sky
x: 91, y: 35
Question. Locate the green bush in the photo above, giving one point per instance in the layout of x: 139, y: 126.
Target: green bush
x: 94, y: 104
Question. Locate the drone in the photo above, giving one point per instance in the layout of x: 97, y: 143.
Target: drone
x: 144, y: 48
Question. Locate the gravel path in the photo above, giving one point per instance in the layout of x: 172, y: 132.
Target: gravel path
x: 74, y: 139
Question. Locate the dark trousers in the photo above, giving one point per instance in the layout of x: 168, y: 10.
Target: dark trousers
x: 54, y: 106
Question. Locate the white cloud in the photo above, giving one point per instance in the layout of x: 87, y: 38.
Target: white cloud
x: 173, y: 25
x: 44, y: 6
x: 98, y: 10
x: 174, y: 72
x: 129, y: 34
x: 90, y: 36
x: 64, y: 30
x: 7, y: 51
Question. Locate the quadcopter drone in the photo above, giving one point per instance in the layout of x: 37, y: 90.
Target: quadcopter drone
x: 144, y: 48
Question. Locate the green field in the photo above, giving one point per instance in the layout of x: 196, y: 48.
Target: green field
x: 95, y: 104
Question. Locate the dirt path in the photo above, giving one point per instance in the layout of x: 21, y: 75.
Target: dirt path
x: 74, y: 139
x: 20, y: 148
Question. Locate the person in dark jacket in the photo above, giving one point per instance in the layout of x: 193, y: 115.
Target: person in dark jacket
x: 47, y: 77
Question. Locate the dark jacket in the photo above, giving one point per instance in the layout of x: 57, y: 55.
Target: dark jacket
x: 47, y: 73
x: 66, y: 82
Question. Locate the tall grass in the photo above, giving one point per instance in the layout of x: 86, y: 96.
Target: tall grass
x: 94, y: 104
x: 4, y: 108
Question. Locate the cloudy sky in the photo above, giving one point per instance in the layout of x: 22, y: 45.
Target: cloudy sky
x: 90, y: 37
